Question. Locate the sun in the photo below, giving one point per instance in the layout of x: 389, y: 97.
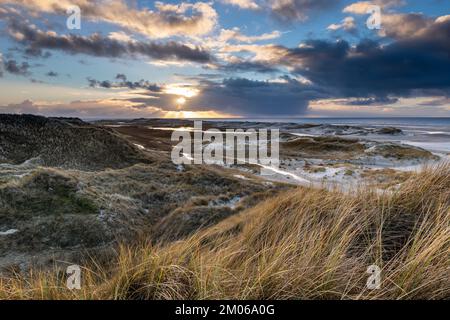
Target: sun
x: 181, y: 101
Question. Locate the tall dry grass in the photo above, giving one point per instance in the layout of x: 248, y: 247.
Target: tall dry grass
x: 305, y: 244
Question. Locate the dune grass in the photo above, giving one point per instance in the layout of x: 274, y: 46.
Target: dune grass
x: 305, y: 244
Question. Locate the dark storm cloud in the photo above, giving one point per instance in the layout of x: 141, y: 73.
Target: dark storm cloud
x: 28, y: 53
x: 416, y: 63
x: 36, y: 40
x: 371, y: 101
x: 124, y: 83
x: 33, y: 52
x: 51, y: 74
x: 16, y: 68
x: 249, y: 97
x: 32, y: 80
x: 121, y: 76
x: 235, y: 95
x: 249, y: 66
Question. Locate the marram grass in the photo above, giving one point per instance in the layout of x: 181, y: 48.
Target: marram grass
x: 305, y: 244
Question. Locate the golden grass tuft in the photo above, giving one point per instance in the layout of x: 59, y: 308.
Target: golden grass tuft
x: 305, y: 244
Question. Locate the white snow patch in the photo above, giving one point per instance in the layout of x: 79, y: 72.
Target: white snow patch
x: 140, y: 146
x: 286, y: 173
x: 225, y: 203
x: 303, y: 134
x: 8, y: 232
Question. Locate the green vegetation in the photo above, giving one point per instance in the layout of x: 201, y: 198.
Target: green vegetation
x: 315, y: 169
x: 48, y: 192
x: 322, y: 146
x: 349, y: 172
x: 403, y: 152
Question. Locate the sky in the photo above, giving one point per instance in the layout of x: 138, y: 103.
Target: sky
x: 225, y: 58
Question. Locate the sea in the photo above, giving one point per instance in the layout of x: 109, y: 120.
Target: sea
x: 429, y: 133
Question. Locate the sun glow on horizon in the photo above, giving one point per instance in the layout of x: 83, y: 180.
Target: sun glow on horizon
x: 197, y: 115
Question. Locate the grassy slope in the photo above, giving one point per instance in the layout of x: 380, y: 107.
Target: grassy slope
x: 66, y: 143
x: 306, y: 243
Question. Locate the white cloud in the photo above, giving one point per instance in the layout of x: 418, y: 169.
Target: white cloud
x: 243, y: 4
x: 404, y: 25
x: 361, y: 7
x: 443, y: 19
x: 120, y: 36
x: 184, y: 19
x: 348, y: 24
x: 235, y: 34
